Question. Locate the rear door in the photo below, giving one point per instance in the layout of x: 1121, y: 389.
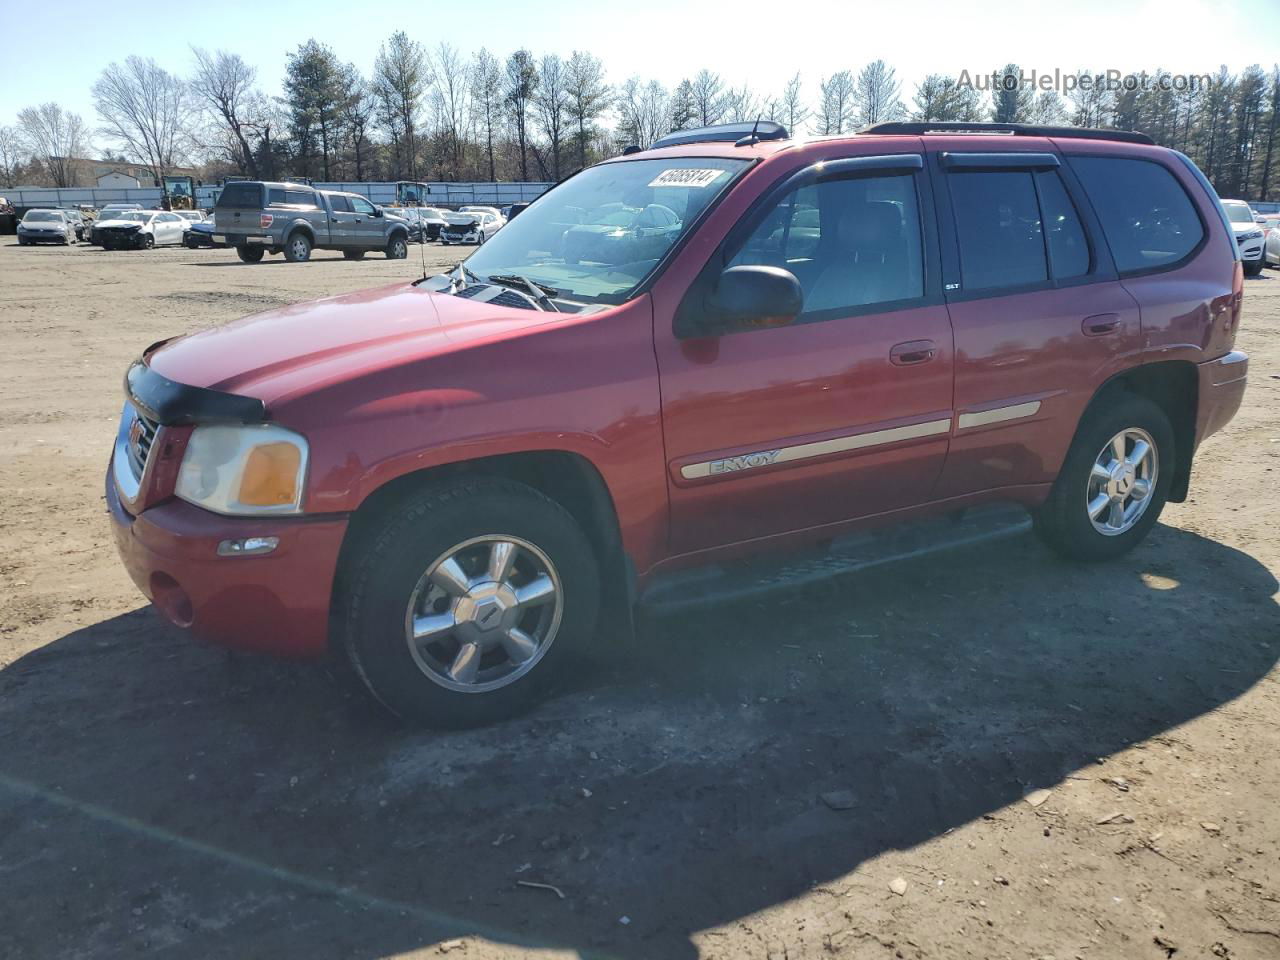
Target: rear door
x: 1040, y: 317
x: 841, y: 414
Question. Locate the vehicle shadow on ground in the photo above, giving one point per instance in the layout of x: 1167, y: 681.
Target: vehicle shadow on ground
x: 154, y: 799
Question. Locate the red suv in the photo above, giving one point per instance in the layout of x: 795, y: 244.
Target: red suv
x: 767, y: 344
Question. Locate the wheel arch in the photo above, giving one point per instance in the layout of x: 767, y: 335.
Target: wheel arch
x: 567, y: 477
x: 1174, y: 386
x: 302, y: 225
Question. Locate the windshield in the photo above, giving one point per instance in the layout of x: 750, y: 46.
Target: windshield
x: 41, y: 216
x: 1239, y: 212
x: 132, y: 216
x: 599, y: 235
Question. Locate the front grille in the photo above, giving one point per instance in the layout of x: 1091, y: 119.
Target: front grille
x: 140, y: 441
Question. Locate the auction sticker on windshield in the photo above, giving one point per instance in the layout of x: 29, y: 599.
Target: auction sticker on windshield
x: 685, y: 178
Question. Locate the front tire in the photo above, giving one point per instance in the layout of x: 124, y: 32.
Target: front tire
x: 397, y: 248
x: 297, y: 249
x: 467, y: 600
x: 249, y: 254
x: 1114, y: 481
x: 1253, y: 268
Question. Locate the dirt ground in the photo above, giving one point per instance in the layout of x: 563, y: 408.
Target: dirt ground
x: 162, y: 799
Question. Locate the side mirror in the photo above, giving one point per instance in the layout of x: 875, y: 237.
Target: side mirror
x: 377, y: 211
x: 754, y: 295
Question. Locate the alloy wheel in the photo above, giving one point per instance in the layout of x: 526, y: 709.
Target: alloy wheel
x: 1122, y: 482
x: 485, y: 612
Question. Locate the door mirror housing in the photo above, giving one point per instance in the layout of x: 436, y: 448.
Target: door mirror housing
x: 752, y: 295
x: 377, y: 211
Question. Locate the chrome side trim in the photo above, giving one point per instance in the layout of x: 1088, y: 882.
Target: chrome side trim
x: 998, y: 415
x: 807, y: 451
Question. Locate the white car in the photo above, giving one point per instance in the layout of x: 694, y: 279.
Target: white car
x: 191, y: 216
x: 480, y: 209
x: 469, y: 227
x: 1248, y: 235
x: 46, y: 226
x: 141, y: 230
x: 1271, y: 241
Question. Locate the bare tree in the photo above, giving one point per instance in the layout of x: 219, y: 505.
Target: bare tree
x: 741, y: 105
x: 1048, y: 109
x: 644, y: 112
x: 588, y: 97
x: 452, y: 104
x: 520, y: 84
x: 708, y: 97
x: 941, y: 98
x: 836, y: 105
x: 147, y: 110
x: 789, y: 109
x: 400, y: 81
x: 55, y: 138
x: 552, y: 103
x: 486, y: 94
x: 12, y: 156
x: 224, y: 83
x: 358, y: 116
x: 876, y: 94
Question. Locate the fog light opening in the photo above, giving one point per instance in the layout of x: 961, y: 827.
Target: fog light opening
x: 248, y: 546
x: 171, y: 600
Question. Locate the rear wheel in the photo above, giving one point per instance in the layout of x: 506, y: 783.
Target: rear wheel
x: 353, y: 254
x: 297, y: 249
x: 1253, y: 268
x: 397, y: 247
x: 1114, y: 481
x: 467, y: 601
x: 249, y: 254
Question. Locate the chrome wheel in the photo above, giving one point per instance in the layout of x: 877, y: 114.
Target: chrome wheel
x: 1122, y: 482
x: 485, y: 612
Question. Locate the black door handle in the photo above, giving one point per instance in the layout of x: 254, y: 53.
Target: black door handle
x: 913, y: 352
x: 1100, y: 324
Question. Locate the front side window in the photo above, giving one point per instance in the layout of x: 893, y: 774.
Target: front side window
x: 998, y: 229
x: 1147, y: 217
x: 852, y: 243
x: 598, y: 236
x: 361, y: 205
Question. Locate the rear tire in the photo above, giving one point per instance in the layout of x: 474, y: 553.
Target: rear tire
x: 297, y: 249
x: 353, y: 254
x: 1117, y: 420
x: 249, y: 254
x: 472, y: 670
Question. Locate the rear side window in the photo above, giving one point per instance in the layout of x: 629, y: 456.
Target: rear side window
x: 998, y: 228
x: 304, y: 198
x: 1068, y: 248
x: 339, y: 203
x: 1147, y: 217
x: 852, y: 243
x: 241, y: 195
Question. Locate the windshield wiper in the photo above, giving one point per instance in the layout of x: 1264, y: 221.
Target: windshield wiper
x: 540, y: 292
x: 463, y: 275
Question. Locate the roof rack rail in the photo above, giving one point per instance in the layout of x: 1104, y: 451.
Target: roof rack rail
x: 1013, y: 129
x: 751, y: 131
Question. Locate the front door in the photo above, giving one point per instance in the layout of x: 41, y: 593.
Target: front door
x: 844, y: 413
x: 366, y: 227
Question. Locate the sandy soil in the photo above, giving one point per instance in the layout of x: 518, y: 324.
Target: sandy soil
x: 161, y: 799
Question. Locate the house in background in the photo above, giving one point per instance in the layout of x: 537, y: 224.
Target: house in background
x: 114, y: 178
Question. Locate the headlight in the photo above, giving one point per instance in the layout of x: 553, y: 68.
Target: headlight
x: 1251, y: 235
x: 244, y: 469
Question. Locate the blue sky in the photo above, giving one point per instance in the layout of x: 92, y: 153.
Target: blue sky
x: 761, y: 43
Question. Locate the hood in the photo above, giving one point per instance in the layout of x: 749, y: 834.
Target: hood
x: 284, y: 353
x: 1242, y: 228
x: 118, y: 223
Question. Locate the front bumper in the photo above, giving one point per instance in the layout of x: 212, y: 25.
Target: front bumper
x: 448, y: 237
x: 1222, y: 384
x: 1251, y: 250
x: 277, y: 603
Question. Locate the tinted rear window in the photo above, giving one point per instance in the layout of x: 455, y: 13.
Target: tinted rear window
x: 1147, y: 217
x: 998, y: 226
x: 241, y: 195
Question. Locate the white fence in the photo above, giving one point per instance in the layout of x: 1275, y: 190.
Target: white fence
x: 444, y: 194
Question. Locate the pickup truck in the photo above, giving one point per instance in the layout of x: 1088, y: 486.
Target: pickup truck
x: 258, y: 218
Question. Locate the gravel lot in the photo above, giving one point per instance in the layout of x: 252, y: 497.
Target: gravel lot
x: 159, y: 798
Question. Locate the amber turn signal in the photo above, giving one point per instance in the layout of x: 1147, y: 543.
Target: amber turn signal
x: 270, y: 475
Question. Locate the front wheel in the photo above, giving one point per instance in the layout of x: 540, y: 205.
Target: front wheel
x: 397, y: 248
x: 467, y: 601
x: 1253, y: 268
x: 1114, y: 481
